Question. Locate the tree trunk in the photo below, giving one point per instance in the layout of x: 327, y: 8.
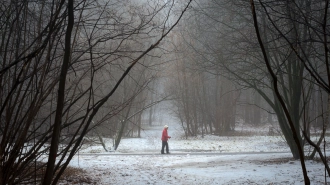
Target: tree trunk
x: 60, y: 101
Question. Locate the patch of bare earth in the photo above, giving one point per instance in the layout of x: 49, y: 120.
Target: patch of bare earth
x: 276, y: 161
x: 71, y: 175
x: 286, y: 160
x: 76, y: 176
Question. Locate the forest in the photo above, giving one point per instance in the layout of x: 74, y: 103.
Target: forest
x: 80, y: 71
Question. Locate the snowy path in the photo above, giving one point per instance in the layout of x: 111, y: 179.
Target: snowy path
x: 242, y: 160
x: 182, y: 153
x: 217, y: 168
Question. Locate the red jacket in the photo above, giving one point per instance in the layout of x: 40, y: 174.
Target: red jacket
x: 165, y: 135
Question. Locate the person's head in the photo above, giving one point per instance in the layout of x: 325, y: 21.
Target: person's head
x: 166, y: 127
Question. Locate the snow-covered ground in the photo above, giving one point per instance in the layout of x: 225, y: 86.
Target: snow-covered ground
x: 207, y: 160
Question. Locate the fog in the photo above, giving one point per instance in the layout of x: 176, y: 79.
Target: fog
x: 77, y: 72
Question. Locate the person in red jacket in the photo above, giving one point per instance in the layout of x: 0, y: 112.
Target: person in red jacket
x: 165, y: 138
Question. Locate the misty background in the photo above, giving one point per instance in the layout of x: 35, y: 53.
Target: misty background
x: 74, y: 72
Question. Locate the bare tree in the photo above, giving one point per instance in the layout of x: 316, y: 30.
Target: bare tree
x: 205, y: 103
x: 312, y: 53
x: 227, y: 48
x: 54, y: 88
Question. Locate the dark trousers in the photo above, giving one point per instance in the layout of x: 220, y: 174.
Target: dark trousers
x: 164, y: 144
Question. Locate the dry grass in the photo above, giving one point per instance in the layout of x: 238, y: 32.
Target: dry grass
x: 76, y: 176
x: 277, y: 161
x: 287, y: 160
x: 318, y: 159
x: 71, y: 175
